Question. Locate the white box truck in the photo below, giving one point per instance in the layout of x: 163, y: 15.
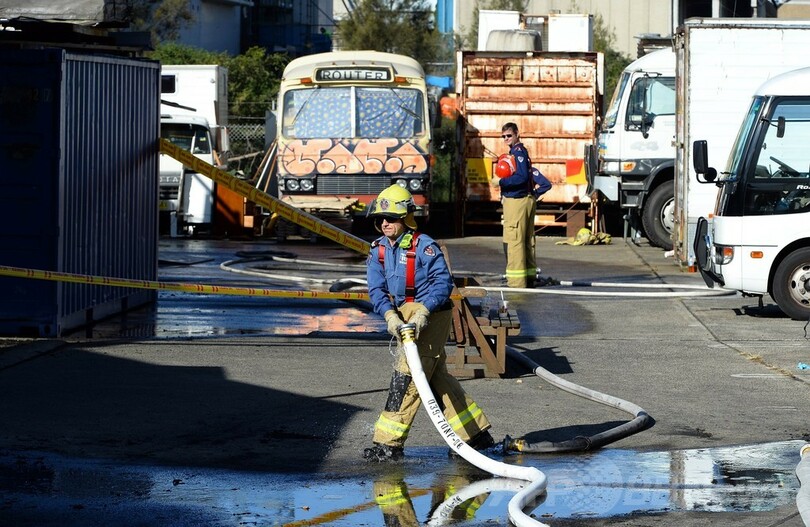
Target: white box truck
x: 705, y: 81
x: 720, y: 63
x: 634, y: 163
x: 194, y: 116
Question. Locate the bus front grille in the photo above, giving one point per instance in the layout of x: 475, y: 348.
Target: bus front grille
x: 352, y: 184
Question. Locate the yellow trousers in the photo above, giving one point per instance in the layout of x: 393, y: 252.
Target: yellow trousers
x: 518, y: 240
x: 461, y: 412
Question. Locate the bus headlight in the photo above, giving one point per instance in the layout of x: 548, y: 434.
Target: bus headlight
x: 415, y: 185
x: 723, y: 254
x: 307, y: 185
x: 402, y: 183
x: 292, y: 185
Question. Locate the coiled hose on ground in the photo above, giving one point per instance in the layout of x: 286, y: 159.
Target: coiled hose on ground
x: 641, y: 420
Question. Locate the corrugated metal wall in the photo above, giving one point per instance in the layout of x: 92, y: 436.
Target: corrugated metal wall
x: 78, y: 184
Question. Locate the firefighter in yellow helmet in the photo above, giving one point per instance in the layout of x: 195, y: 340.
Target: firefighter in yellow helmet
x: 408, y: 280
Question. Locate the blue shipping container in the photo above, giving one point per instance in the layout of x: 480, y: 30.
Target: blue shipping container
x: 78, y: 185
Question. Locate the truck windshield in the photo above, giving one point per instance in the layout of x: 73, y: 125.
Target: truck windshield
x: 736, y: 157
x: 613, y: 109
x: 194, y: 138
x: 353, y: 112
x: 785, y: 153
x: 649, y: 98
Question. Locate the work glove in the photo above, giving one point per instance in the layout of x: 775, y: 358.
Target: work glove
x: 419, y: 318
x: 393, y: 321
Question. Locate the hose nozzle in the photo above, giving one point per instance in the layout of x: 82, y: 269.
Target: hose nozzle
x: 407, y: 332
x: 510, y: 444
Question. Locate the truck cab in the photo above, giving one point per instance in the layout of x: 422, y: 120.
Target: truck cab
x: 194, y: 116
x: 186, y: 197
x: 635, y: 150
x: 759, y: 239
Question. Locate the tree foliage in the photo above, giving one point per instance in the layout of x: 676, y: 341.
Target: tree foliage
x: 395, y: 26
x: 175, y: 53
x: 163, y: 19
x: 604, y: 40
x: 253, y: 77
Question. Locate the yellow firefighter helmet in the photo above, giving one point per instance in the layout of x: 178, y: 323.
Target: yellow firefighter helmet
x: 395, y: 202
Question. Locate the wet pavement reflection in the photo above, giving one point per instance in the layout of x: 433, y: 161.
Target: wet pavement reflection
x: 263, y: 265
x: 39, y: 489
x: 46, y: 490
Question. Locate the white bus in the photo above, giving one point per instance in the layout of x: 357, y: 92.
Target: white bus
x: 759, y: 238
x: 352, y: 124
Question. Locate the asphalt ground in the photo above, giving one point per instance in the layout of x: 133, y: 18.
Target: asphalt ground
x: 287, y: 391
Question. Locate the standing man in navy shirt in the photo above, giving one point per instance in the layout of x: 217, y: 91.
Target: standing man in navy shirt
x: 519, y: 205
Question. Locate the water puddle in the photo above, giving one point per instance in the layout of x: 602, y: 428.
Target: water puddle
x: 45, y: 490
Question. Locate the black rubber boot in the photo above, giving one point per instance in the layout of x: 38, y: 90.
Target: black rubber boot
x: 381, y: 453
x: 480, y: 442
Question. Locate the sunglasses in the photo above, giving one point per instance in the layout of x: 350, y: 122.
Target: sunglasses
x: 389, y: 219
x: 506, y: 136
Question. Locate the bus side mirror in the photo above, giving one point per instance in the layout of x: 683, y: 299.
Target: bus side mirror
x: 780, y: 127
x: 700, y: 162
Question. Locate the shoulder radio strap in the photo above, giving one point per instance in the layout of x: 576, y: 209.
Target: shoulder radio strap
x: 410, y: 266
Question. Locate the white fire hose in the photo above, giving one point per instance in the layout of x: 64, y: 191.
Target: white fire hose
x: 803, y: 473
x: 537, y: 479
x: 444, y: 512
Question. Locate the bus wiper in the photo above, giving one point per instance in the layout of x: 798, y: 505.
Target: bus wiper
x: 402, y: 105
x: 304, y: 105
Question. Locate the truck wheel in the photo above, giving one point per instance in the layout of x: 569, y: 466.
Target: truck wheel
x: 791, y: 284
x: 659, y: 215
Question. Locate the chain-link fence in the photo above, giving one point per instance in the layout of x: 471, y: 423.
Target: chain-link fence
x: 247, y: 140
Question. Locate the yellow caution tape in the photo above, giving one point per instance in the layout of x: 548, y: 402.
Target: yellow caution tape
x: 204, y: 289
x: 176, y: 286
x: 245, y: 189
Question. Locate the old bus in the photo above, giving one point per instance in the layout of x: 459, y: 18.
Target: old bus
x: 352, y: 124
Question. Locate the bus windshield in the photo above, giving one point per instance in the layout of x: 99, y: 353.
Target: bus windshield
x: 347, y: 112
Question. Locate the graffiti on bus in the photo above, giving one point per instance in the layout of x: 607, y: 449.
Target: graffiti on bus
x: 303, y: 157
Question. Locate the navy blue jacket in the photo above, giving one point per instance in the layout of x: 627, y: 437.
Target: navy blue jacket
x: 432, y: 281
x: 517, y: 185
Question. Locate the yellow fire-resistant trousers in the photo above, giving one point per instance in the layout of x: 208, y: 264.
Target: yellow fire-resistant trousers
x: 461, y: 412
x: 391, y: 495
x: 518, y: 239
